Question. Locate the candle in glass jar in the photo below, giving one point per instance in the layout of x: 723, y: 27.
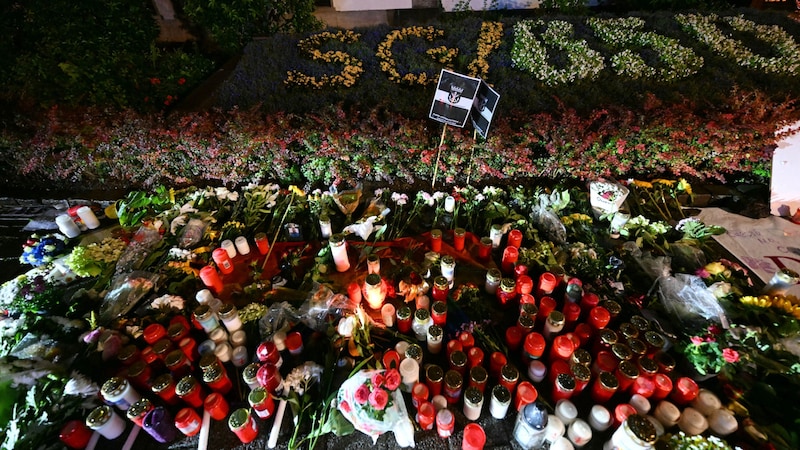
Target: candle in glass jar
x: 440, y: 289
x: 546, y: 306
x: 190, y: 391
x: 436, y: 240
x: 229, y: 248
x: 500, y: 402
x: 636, y: 432
x: 579, y: 433
x: 338, y: 247
x: 119, y: 392
x: 507, y: 292
x: 448, y: 268
x: 509, y: 377
x: 229, y: 316
x: 553, y: 325
x: 426, y: 415
x: 373, y: 290
x: 434, y: 339
x: 106, y: 422
x: 224, y: 262
x: 473, y: 403
x: 452, y: 387
x: 496, y: 234
x: 692, y: 422
x: 439, y: 313
x: 434, y: 376
x: 325, y: 229
x: 599, y: 418
x: 493, y: 278
x: 459, y: 238
x: 478, y: 376
x: 514, y: 337
x: 422, y: 321
x: 604, y: 387
x: 547, y: 284
x: 537, y: 371
x: 138, y: 410
x: 404, y: 319
x: 485, y: 248
x: 262, y: 243
x: 243, y: 425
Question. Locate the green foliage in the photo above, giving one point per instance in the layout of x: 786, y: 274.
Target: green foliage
x: 232, y: 24
x: 88, y: 52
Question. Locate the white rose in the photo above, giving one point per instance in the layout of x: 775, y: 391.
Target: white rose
x: 346, y: 326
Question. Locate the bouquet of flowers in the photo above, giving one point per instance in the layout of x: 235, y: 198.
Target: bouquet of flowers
x: 39, y: 250
x: 371, y: 401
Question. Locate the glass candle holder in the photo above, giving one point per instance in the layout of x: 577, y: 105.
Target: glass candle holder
x: 106, y: 422
x: 434, y: 339
x: 563, y: 386
x: 493, y: 278
x: 496, y: 235
x: 422, y: 321
x: 434, y: 377
x: 485, y: 249
x: 243, y: 425
x: 426, y: 415
x: 453, y: 385
x: 262, y: 243
x: 459, y: 238
x: 439, y: 313
x: 229, y: 316
x: 507, y: 292
x: 510, y: 257
x: 75, y: 434
x: 445, y: 423
x: 473, y: 403
x: 404, y: 319
x: 436, y: 240
x: 374, y: 291
x: 440, y: 289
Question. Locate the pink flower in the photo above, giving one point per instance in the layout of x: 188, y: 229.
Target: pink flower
x: 730, y: 355
x: 345, y: 407
x: 377, y: 380
x: 697, y: 340
x: 710, y: 338
x: 714, y: 329
x: 362, y: 394
x: 392, y: 379
x: 702, y: 273
x: 378, y: 399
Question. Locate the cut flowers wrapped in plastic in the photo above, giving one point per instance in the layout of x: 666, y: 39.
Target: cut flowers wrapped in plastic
x: 372, y: 402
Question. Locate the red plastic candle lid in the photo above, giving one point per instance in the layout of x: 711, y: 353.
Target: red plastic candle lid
x: 589, y: 300
x: 513, y: 337
x: 534, y: 344
x: 154, y: 333
x: 599, y: 317
x: 524, y: 284
x: 583, y: 332
x: 546, y: 306
x: 572, y: 312
x: 466, y: 340
x: 547, y: 282
x: 563, y: 347
x: 391, y: 360
x: 294, y: 342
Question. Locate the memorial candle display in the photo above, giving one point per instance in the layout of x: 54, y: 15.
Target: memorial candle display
x: 459, y: 237
x: 374, y: 291
x: 338, y: 247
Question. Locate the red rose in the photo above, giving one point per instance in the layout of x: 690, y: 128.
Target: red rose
x: 344, y: 406
x: 392, y: 379
x: 362, y: 394
x: 377, y: 380
x: 730, y: 355
x: 378, y: 399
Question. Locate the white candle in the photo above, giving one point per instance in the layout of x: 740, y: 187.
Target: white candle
x: 218, y: 335
x: 555, y: 429
x: 566, y: 411
x: 423, y: 302
x: 722, y: 422
x: 439, y: 402
x: 387, y: 314
x: 562, y: 443
x: 223, y: 350
x: 599, y: 418
x: 239, y: 356
x: 537, y: 371
x: 204, y: 296
x: 496, y: 234
x: 640, y: 404
x: 401, y: 348
x: 242, y: 246
x: 447, y: 265
x: 238, y: 338
x: 579, y: 433
x: 87, y: 216
x: 229, y: 247
x: 325, y: 228
x: 339, y: 252
x: 435, y: 337
x: 67, y: 226
x: 473, y: 403
x: 409, y: 371
x: 501, y: 400
x: 449, y: 203
x: 657, y: 425
x: 692, y: 422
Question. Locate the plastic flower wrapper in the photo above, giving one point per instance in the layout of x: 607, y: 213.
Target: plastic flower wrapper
x: 125, y: 292
x: 321, y: 304
x: 143, y: 243
x: 546, y: 219
x: 606, y: 196
x: 372, y: 402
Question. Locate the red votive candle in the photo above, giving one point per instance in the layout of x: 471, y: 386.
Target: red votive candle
x: 262, y: 243
x: 558, y: 367
x: 243, y: 425
x: 190, y: 391
x: 391, y: 359
x: 582, y: 376
x: 572, y: 312
x: 663, y: 386
x: 626, y: 373
x: 478, y: 376
x: 485, y: 249
x: 210, y: 278
x: 267, y: 351
x: 269, y: 377
x: 684, y: 391
x: 604, y: 387
x: 643, y: 386
x: 515, y: 238
x: 262, y: 402
x: 154, y: 333
x: 599, y: 317
x: 584, y: 333
x: 294, y: 343
x: 436, y: 240
x: 467, y: 340
x: 188, y: 422
x: 496, y: 362
x: 546, y: 306
x: 434, y: 376
x: 453, y: 345
x: 419, y: 394
x: 622, y: 412
x: 604, y: 361
x: 562, y: 348
x: 526, y: 393
x: 510, y: 257
x: 404, y: 319
x: 520, y: 270
x: 534, y: 346
x: 514, y: 338
x: 589, y: 300
x: 439, y: 313
x: 458, y: 362
x: 474, y: 437
x: 524, y: 285
x: 563, y: 387
x: 354, y: 292
x: 216, y: 405
x: 440, y: 289
x: 445, y: 423
x: 475, y: 357
x: 459, y: 235
x: 75, y: 434
x: 426, y: 414
x: 509, y: 377
x: 224, y: 262
x: 164, y: 387
x: 547, y: 283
